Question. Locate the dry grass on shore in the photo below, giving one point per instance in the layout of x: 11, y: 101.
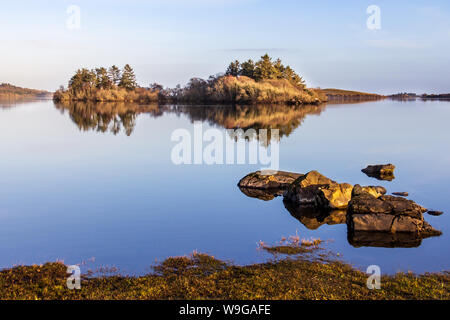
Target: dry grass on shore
x: 201, y: 276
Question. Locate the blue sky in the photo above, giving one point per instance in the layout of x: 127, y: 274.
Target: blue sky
x: 170, y: 41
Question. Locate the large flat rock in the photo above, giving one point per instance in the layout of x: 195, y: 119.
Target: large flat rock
x: 262, y: 180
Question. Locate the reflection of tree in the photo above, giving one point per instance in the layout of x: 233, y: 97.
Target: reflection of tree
x: 282, y: 117
x: 106, y: 117
x: 6, y: 103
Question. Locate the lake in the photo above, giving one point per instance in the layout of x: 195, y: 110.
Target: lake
x: 82, y: 181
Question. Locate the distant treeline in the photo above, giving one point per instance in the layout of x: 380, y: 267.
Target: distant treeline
x: 436, y: 96
x: 264, y: 81
x: 12, y: 92
x: 407, y: 96
x: 347, y: 95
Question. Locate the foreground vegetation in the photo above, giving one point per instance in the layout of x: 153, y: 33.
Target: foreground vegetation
x: 201, y: 276
x: 8, y: 91
x: 265, y: 81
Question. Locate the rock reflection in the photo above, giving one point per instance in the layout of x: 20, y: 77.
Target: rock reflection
x: 313, y: 218
x: 381, y: 177
x: 383, y: 239
x: 262, y: 194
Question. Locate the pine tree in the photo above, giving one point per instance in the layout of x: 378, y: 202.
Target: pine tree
x: 128, y: 80
x: 114, y: 75
x: 83, y: 80
x: 279, y: 69
x: 103, y: 80
x: 248, y: 69
x: 293, y: 78
x: 233, y: 69
x: 265, y: 68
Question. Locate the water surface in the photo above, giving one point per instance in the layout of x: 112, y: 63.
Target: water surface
x: 78, y: 183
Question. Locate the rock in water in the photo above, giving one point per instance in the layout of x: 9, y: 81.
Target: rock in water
x: 259, y: 180
x: 380, y: 171
x: 386, y: 214
x: 316, y: 190
x: 376, y: 191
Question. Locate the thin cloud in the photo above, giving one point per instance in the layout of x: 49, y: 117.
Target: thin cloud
x: 393, y: 43
x: 256, y: 50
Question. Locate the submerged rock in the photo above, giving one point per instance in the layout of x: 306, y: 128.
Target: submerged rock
x: 316, y: 190
x: 261, y: 180
x: 380, y: 171
x: 386, y: 214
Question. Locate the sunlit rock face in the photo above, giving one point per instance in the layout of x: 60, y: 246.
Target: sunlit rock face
x: 268, y: 180
x: 314, y: 189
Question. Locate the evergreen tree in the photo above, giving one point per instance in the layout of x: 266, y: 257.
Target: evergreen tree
x: 233, y: 69
x: 103, y: 80
x: 248, y: 69
x: 265, y: 68
x: 128, y: 80
x: 114, y: 75
x: 293, y: 78
x: 83, y: 80
x: 279, y: 69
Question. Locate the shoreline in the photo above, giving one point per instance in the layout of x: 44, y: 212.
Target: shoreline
x: 200, y: 276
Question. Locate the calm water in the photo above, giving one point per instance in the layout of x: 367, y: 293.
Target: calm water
x: 76, y: 183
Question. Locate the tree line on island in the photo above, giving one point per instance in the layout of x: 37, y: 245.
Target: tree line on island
x: 263, y: 81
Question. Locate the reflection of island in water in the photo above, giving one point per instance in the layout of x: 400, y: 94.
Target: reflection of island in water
x: 282, y: 117
x: 112, y: 117
x: 106, y: 117
x: 6, y: 103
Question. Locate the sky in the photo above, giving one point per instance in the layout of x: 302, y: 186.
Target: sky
x: 171, y: 41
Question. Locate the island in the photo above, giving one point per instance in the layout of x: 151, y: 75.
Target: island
x: 265, y: 81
